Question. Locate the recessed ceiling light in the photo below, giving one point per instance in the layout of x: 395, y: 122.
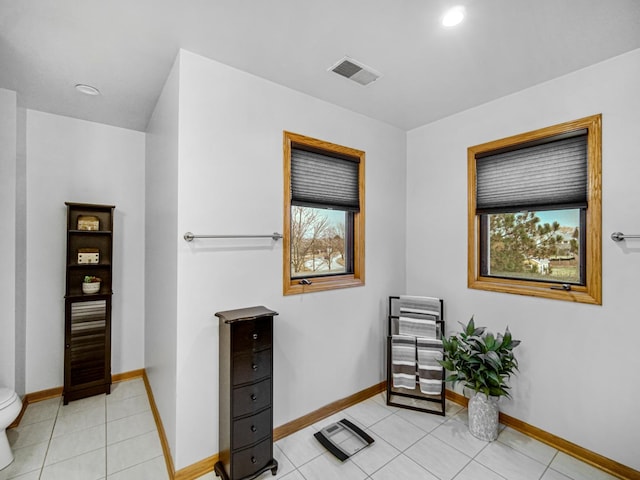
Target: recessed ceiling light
x: 453, y: 16
x: 87, y: 89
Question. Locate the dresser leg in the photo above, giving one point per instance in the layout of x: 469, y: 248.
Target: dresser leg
x: 219, y: 470
x: 274, y: 469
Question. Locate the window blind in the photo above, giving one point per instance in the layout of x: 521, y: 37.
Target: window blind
x: 548, y: 175
x: 319, y: 180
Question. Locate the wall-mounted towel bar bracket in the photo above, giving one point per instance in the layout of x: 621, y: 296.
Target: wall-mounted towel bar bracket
x: 619, y: 236
x: 188, y: 237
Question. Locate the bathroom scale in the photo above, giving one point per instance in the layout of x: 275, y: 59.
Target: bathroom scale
x: 343, y: 439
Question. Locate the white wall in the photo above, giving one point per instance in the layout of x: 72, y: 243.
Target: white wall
x: 8, y: 141
x: 21, y: 253
x: 79, y: 161
x: 327, y: 345
x: 161, y: 246
x: 578, y: 363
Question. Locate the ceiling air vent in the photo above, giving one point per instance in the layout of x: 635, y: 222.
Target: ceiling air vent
x: 356, y: 71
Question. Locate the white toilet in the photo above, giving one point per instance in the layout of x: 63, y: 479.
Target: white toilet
x: 10, y: 406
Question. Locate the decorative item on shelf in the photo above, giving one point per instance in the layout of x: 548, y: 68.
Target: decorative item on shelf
x: 88, y: 222
x: 483, y: 362
x: 91, y: 284
x: 88, y: 255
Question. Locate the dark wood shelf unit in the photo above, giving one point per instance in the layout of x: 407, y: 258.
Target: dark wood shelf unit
x: 246, y: 394
x: 87, y: 338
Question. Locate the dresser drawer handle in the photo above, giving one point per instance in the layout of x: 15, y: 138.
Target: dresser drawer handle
x: 254, y: 429
x: 254, y: 367
x: 253, y: 460
x: 255, y: 336
x: 254, y: 397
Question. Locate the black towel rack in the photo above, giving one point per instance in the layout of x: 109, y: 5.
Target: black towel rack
x: 402, y: 397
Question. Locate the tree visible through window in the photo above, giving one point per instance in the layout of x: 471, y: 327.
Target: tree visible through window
x: 535, y: 213
x: 541, y: 246
x: 317, y: 241
x: 323, y: 241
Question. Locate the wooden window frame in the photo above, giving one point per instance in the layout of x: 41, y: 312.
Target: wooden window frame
x: 293, y: 286
x: 591, y: 292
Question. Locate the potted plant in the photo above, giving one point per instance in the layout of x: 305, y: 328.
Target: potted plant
x: 91, y: 284
x: 483, y: 362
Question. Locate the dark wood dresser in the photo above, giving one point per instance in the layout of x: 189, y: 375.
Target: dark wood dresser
x: 246, y: 416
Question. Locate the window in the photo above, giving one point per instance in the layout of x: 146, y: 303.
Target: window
x: 323, y: 244
x: 535, y: 213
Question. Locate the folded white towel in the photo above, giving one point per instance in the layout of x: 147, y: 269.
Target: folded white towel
x: 421, y: 305
x: 424, y: 327
x: 419, y: 311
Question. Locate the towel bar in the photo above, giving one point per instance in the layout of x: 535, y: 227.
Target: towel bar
x: 619, y: 236
x: 188, y: 237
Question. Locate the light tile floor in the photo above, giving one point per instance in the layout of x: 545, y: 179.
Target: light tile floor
x: 114, y: 437
x: 412, y: 445
x: 102, y: 437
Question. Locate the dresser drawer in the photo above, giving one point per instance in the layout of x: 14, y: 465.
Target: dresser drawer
x: 251, y: 429
x: 251, y: 398
x: 251, y: 336
x: 251, y: 367
x: 246, y: 462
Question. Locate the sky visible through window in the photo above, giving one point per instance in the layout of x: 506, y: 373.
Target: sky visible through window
x: 335, y: 216
x: 566, y: 218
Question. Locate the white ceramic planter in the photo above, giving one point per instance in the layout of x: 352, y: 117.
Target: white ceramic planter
x: 483, y: 417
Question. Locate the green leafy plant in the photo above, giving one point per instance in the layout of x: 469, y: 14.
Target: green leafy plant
x: 480, y: 360
x: 91, y: 279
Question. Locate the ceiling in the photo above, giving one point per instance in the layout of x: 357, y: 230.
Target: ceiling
x: 126, y: 49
